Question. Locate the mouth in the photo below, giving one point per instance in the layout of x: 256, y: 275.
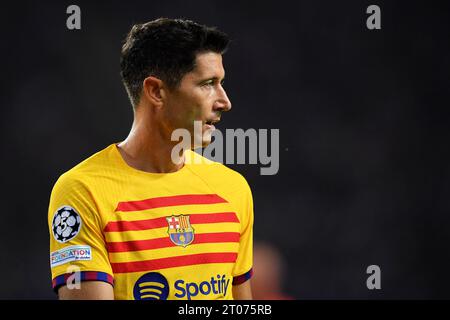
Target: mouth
x: 210, y: 123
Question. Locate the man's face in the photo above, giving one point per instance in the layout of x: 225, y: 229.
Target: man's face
x: 199, y: 97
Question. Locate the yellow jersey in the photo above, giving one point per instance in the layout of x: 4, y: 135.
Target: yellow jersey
x: 181, y: 235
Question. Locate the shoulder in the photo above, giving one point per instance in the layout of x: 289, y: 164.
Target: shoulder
x: 217, y: 174
x: 232, y: 177
x: 80, y: 187
x: 79, y: 175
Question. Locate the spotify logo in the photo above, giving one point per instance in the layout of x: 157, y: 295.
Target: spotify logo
x: 151, y: 286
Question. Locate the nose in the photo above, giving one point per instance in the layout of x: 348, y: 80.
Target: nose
x: 222, y: 103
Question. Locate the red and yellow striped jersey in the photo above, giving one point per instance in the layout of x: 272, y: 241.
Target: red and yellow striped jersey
x: 180, y: 235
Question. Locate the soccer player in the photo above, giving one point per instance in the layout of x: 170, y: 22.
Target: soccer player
x: 134, y: 222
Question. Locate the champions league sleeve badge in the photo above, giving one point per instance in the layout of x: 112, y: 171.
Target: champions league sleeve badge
x: 66, y: 224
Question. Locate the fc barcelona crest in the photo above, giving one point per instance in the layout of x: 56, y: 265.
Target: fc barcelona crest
x: 180, y: 230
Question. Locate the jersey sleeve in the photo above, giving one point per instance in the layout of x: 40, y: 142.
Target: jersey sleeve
x: 243, y: 270
x: 77, y: 246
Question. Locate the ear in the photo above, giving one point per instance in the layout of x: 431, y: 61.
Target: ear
x: 152, y: 88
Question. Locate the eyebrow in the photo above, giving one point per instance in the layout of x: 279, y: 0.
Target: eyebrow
x: 212, y: 78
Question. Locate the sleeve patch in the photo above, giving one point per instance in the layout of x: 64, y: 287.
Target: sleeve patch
x: 82, y: 276
x: 69, y: 254
x: 242, y: 278
x: 66, y: 224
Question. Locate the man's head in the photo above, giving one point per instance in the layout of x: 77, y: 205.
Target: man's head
x: 176, y: 65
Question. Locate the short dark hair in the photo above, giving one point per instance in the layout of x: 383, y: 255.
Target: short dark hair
x: 165, y: 48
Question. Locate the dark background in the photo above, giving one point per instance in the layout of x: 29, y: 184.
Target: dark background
x: 363, y: 116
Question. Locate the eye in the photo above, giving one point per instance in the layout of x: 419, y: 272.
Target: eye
x: 208, y: 83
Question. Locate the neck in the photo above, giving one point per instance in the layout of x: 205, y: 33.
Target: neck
x: 147, y: 147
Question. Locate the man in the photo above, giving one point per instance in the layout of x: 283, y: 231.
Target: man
x: 134, y: 221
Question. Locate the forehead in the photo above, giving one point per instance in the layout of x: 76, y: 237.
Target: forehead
x: 208, y: 65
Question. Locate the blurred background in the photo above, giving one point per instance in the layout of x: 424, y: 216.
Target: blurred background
x: 364, y: 174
